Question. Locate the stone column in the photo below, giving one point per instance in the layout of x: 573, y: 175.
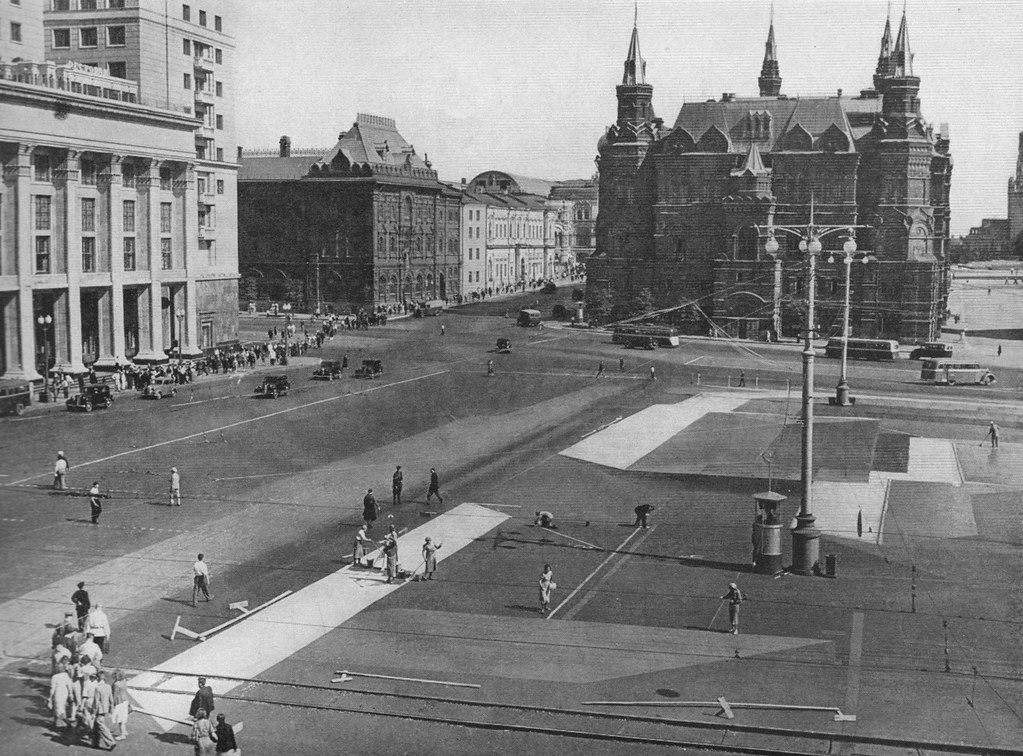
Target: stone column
x: 19, y: 318
x: 190, y: 327
x: 190, y: 231
x: 72, y: 236
x: 115, y: 224
x: 147, y: 235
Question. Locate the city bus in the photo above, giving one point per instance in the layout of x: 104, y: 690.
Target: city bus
x: 864, y: 349
x: 663, y: 336
x: 529, y: 318
x: 948, y: 372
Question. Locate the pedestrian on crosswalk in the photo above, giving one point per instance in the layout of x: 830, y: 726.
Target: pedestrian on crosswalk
x: 95, y: 507
x: 60, y: 470
x: 80, y: 599
x: 429, y: 558
x: 175, y: 488
x: 547, y: 585
x: 200, y: 579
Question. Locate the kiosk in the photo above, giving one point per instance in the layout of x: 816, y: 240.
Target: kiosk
x: 767, y: 533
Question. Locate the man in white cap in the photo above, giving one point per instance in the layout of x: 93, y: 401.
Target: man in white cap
x: 175, y: 488
x: 60, y: 471
x: 734, y: 597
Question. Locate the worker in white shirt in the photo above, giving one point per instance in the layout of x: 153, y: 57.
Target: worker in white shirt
x: 201, y: 581
x: 175, y: 488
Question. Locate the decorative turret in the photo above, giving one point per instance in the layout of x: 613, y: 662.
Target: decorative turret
x: 901, y: 87
x: 770, y: 75
x: 635, y: 96
x: 884, y: 71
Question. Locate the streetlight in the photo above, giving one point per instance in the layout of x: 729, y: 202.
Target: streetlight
x: 805, y: 537
x: 46, y: 323
x: 180, y: 312
x: 842, y: 398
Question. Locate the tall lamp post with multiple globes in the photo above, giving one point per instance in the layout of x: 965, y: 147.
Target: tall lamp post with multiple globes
x: 805, y: 537
x: 842, y: 398
x: 180, y: 313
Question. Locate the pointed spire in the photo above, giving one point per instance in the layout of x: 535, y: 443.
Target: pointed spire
x: 884, y: 68
x: 635, y: 66
x: 902, y: 58
x: 754, y: 164
x: 770, y: 74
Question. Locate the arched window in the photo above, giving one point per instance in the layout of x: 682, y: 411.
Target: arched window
x: 420, y: 288
x: 407, y: 207
x: 391, y: 246
x: 382, y: 288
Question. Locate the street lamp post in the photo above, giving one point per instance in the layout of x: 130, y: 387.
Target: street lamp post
x: 46, y: 323
x: 806, y: 537
x: 180, y: 313
x: 842, y: 398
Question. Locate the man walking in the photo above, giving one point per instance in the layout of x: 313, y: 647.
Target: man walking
x: 642, y: 512
x: 200, y: 579
x: 742, y: 378
x: 175, y: 488
x: 370, y: 510
x: 203, y: 699
x: 621, y: 364
x: 397, y: 481
x: 102, y: 708
x: 95, y: 507
x: 434, y: 486
x: 600, y: 370
x: 60, y: 471
x: 80, y: 599
x: 98, y: 624
x: 653, y: 374
x: 734, y: 596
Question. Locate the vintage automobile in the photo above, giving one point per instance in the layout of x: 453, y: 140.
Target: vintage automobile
x: 328, y: 369
x: 273, y: 386
x: 370, y: 369
x: 930, y: 349
x: 93, y: 397
x: 14, y: 400
x: 162, y: 387
x: 504, y: 346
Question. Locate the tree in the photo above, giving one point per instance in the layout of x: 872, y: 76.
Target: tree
x: 249, y: 289
x: 642, y: 303
x: 598, y: 304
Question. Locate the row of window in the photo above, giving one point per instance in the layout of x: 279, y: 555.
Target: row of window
x: 186, y: 15
x: 66, y: 5
x: 42, y: 170
x: 43, y: 254
x: 201, y: 50
x: 202, y: 86
x: 88, y: 37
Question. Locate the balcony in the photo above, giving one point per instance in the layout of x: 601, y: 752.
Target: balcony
x: 204, y: 97
x: 207, y: 232
x: 73, y: 78
x: 203, y: 65
x: 205, y: 133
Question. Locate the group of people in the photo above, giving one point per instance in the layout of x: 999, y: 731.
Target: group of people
x: 364, y: 546
x: 207, y: 737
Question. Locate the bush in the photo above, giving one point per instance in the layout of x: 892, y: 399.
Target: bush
x: 559, y: 312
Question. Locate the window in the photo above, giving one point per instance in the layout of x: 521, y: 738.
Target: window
x: 219, y: 55
x: 88, y: 254
x: 128, y: 175
x: 115, y: 3
x: 220, y: 186
x: 61, y: 5
x: 166, y: 258
x: 42, y: 254
x: 166, y: 217
x: 187, y: 81
x: 88, y: 214
x: 87, y: 4
x: 201, y: 182
x: 166, y: 179
x: 218, y: 24
x: 42, y: 203
x: 88, y: 37
x: 88, y: 172
x: 129, y: 254
x: 220, y: 89
x: 202, y: 18
x: 220, y: 154
x: 186, y: 46
x: 206, y: 216
x: 15, y: 32
x: 220, y: 122
x: 118, y: 69
x: 61, y: 39
x: 115, y: 36
x: 129, y: 216
x: 186, y: 12
x: 210, y: 248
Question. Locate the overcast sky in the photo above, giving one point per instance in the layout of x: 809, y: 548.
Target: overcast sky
x: 528, y: 86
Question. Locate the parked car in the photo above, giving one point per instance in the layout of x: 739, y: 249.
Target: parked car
x: 504, y: 346
x: 370, y: 369
x: 93, y: 397
x: 931, y: 349
x: 13, y: 401
x: 329, y: 369
x: 273, y: 386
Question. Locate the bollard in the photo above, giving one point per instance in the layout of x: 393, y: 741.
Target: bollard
x: 756, y: 381
x: 697, y: 379
x: 729, y: 381
x: 788, y: 384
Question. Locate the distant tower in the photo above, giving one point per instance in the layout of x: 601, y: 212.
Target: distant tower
x: 1016, y: 197
x: 770, y: 75
x: 635, y: 96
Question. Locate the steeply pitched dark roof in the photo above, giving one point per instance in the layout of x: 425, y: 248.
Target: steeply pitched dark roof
x: 273, y: 167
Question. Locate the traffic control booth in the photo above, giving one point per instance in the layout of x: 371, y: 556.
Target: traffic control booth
x: 767, y: 533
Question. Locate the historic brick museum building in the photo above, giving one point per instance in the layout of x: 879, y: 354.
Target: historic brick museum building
x: 362, y: 224
x: 683, y: 210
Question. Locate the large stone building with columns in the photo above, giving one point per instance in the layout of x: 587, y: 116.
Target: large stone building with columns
x: 109, y: 251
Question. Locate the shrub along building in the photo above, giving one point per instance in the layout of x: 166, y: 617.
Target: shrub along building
x: 683, y: 210
x: 364, y: 223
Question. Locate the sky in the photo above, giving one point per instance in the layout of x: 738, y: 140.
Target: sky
x: 528, y: 86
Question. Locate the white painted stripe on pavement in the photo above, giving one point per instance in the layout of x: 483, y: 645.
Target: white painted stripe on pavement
x: 249, y: 648
x: 235, y: 425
